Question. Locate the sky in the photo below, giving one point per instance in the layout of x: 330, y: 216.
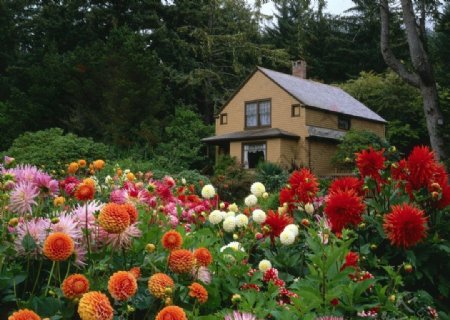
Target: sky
x: 333, y: 6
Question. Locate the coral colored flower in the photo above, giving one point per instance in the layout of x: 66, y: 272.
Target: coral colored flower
x: 132, y: 211
x: 304, y: 184
x: 136, y: 272
x: 114, y: 218
x: 24, y: 314
x: 58, y: 246
x: 73, y: 168
x: 276, y: 223
x: 347, y: 183
x: 421, y: 166
x: 351, y: 260
x: 95, y: 305
x: 370, y: 162
x: 84, y: 192
x: 158, y: 283
x: 172, y: 240
x: 122, y: 285
x: 74, y: 286
x: 22, y: 198
x: 197, y: 291
x: 98, y: 164
x: 181, y: 261
x: 344, y: 208
x: 171, y: 313
x: 203, y: 257
x: 405, y: 225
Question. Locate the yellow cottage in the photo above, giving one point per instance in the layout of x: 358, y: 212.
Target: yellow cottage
x: 289, y: 120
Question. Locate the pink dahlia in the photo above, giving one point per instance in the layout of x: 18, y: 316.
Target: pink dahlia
x: 32, y: 234
x: 22, y: 197
x: 236, y: 315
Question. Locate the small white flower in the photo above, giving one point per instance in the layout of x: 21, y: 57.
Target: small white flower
x: 287, y: 237
x: 230, y: 214
x: 234, y: 245
x: 183, y: 181
x: 208, y: 191
x: 309, y: 208
x: 264, y: 265
x: 265, y: 195
x: 292, y: 228
x: 108, y: 179
x: 126, y: 171
x: 233, y: 207
x: 257, y: 189
x: 229, y: 224
x: 215, y: 217
x: 241, y: 220
x: 259, y: 216
x: 251, y: 200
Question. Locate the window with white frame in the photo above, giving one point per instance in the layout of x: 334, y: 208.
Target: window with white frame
x: 258, y: 114
x: 253, y: 153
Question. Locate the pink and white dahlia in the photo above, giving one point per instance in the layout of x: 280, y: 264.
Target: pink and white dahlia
x: 22, y: 198
x: 125, y: 238
x: 32, y: 234
x: 236, y: 315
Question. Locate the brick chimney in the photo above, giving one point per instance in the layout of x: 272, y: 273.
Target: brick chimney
x: 299, y: 69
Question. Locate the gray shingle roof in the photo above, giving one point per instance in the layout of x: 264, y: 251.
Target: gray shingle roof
x: 322, y: 96
x: 252, y: 135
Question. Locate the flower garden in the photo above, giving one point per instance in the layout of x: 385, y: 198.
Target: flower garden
x: 123, y: 245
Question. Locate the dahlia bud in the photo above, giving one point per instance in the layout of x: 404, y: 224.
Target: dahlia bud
x: 373, y: 247
x: 168, y: 301
x: 236, y: 298
x: 362, y: 225
x: 259, y: 236
x: 309, y: 208
x: 435, y: 186
x: 130, y: 309
x: 235, y: 236
x: 435, y: 195
x: 305, y: 222
x: 265, y: 195
x: 150, y: 248
x: 13, y: 222
x: 392, y: 149
x: 55, y: 220
x: 392, y: 298
x: 222, y: 205
x: 408, y: 268
x: 168, y: 291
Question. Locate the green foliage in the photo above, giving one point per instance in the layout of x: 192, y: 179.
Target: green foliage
x: 271, y: 175
x: 356, y: 141
x: 231, y: 179
x: 53, y: 149
x: 183, y: 133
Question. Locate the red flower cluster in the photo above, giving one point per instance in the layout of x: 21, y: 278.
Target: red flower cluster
x: 343, y: 209
x: 405, y: 225
x: 303, y: 188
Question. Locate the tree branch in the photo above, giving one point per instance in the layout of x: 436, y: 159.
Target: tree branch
x: 389, y: 57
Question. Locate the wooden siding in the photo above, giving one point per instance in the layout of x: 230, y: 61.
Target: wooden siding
x: 321, y: 153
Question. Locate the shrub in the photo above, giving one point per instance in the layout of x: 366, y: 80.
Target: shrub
x: 53, y: 149
x: 271, y: 175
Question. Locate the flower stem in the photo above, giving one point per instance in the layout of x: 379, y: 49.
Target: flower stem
x: 50, y: 277
x: 88, y: 241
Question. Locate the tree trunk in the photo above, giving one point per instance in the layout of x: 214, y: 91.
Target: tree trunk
x: 422, y: 76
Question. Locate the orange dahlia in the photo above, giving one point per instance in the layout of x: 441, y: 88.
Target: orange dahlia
x: 95, y: 305
x: 114, y: 218
x: 197, y: 291
x: 98, y: 164
x: 58, y: 246
x: 171, y: 313
x: 122, y: 285
x: 203, y: 257
x: 85, y: 192
x: 172, y: 240
x: 82, y: 163
x: 74, y: 286
x: 24, y: 314
x: 73, y: 167
x: 136, y: 272
x: 158, y: 283
x: 181, y: 261
x: 405, y: 225
x: 132, y: 212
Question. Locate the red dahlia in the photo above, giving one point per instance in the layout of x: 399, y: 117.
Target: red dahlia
x: 421, y: 166
x: 304, y: 185
x: 370, y: 162
x: 276, y: 223
x: 351, y: 260
x: 344, y: 208
x: 347, y: 183
x: 405, y: 225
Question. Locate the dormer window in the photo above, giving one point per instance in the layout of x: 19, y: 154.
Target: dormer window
x: 224, y: 118
x: 258, y: 114
x: 344, y: 122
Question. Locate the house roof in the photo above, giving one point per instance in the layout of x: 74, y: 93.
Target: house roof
x: 323, y: 133
x: 252, y: 135
x: 321, y: 96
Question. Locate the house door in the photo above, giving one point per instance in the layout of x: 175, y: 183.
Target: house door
x: 253, y: 154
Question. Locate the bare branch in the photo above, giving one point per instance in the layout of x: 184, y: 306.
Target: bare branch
x: 389, y: 57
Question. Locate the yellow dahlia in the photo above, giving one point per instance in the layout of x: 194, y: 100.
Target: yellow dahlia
x: 95, y: 305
